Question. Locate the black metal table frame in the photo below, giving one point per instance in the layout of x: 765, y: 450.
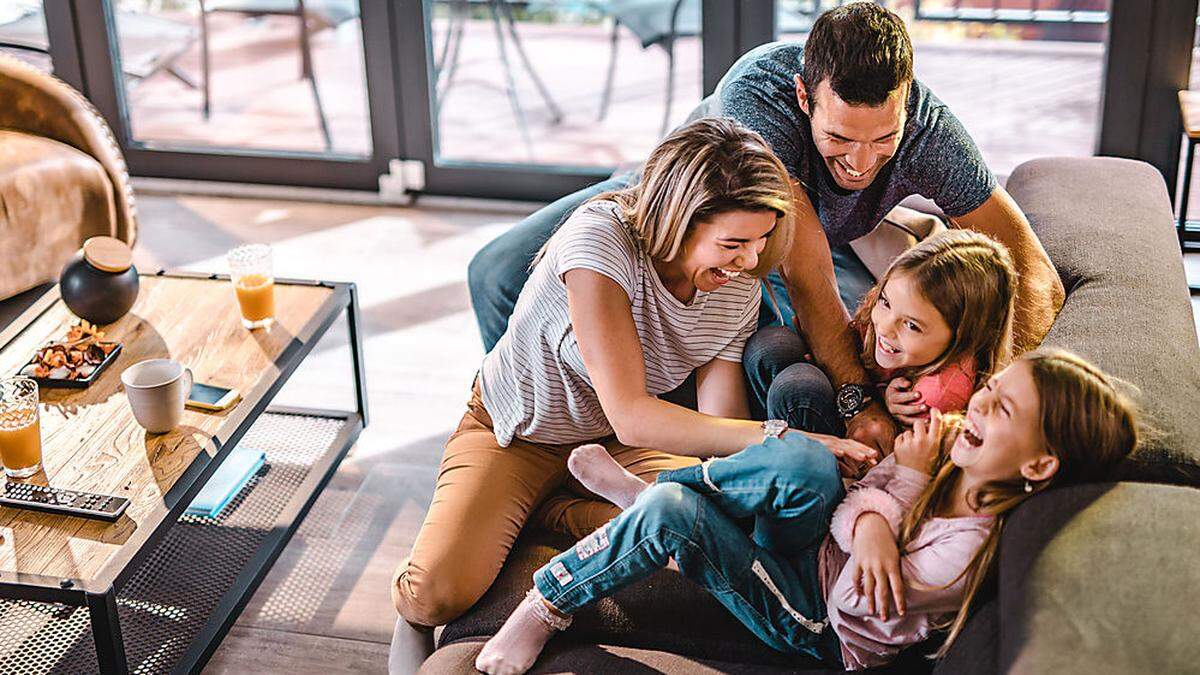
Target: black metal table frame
x: 99, y: 595
x: 1188, y: 236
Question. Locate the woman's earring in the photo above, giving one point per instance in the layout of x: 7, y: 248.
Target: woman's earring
x: 1028, y: 486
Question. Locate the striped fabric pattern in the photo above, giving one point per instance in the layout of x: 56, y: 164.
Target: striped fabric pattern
x: 534, y: 383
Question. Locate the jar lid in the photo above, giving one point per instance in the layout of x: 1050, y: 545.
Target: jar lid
x: 108, y: 254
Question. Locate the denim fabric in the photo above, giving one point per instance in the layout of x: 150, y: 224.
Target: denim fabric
x: 768, y: 580
x: 853, y: 278
x: 783, y: 385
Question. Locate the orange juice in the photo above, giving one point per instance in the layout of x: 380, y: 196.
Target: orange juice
x: 21, y: 443
x: 256, y: 295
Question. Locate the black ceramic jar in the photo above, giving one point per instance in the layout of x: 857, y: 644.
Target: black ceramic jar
x: 100, y: 283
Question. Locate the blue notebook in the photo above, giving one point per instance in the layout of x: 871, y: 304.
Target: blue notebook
x: 229, y: 478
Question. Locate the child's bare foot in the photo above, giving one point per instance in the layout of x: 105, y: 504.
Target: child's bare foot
x: 600, y: 473
x: 520, y: 640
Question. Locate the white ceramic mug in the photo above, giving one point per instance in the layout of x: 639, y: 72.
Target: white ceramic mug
x: 157, y: 390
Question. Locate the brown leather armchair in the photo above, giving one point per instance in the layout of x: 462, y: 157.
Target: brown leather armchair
x: 62, y: 177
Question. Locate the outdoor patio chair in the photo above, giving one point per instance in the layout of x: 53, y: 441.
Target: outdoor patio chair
x: 445, y: 64
x: 323, y: 14
x: 654, y: 22
x: 661, y: 22
x: 148, y: 43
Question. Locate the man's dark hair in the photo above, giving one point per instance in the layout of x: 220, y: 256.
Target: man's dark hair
x: 862, y: 49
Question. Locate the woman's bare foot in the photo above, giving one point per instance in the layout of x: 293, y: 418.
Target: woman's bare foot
x: 520, y: 640
x: 600, y: 473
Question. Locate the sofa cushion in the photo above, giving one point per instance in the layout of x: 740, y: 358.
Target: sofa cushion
x: 974, y: 651
x: 561, y: 657
x: 1108, y: 227
x: 1101, y: 579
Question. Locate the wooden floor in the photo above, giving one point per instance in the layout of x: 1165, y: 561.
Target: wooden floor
x: 324, y: 608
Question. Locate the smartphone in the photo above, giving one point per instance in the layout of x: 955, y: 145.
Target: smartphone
x: 211, y: 397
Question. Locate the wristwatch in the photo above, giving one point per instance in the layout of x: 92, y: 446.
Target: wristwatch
x: 852, y: 399
x: 774, y: 429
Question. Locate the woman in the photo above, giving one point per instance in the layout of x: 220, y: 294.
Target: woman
x: 637, y: 290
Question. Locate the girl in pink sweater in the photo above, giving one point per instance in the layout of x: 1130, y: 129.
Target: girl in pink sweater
x: 934, y: 327
x: 905, y: 551
x: 939, y: 323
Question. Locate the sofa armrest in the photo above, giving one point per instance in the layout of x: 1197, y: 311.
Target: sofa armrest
x: 1108, y: 227
x: 40, y: 104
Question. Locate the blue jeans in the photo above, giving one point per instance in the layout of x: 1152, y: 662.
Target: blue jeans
x: 784, y: 386
x: 768, y: 579
x: 782, y: 383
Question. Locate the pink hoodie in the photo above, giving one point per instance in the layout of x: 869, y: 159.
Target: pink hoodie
x: 935, y: 557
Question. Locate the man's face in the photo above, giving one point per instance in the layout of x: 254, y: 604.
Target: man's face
x: 854, y: 140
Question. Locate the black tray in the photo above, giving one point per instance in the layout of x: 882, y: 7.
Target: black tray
x: 84, y: 383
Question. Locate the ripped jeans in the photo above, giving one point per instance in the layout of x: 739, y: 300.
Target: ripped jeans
x: 768, y: 579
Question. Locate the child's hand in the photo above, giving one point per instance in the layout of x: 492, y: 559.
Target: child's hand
x: 902, y: 402
x: 853, y: 457
x: 918, y: 447
x: 876, y: 560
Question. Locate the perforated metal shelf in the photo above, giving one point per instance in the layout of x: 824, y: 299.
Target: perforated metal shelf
x: 170, y: 597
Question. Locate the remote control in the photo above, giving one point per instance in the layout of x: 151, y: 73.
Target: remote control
x: 66, y: 502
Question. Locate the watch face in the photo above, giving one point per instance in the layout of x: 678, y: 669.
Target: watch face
x: 849, y: 399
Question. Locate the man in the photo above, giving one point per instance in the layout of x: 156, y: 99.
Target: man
x: 858, y: 134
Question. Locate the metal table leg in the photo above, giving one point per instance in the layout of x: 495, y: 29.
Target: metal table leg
x: 1181, y: 226
x: 1187, y: 189
x: 106, y: 630
x: 354, y: 322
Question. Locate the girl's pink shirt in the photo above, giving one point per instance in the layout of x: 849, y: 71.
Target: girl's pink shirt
x: 931, y: 566
x: 948, y: 389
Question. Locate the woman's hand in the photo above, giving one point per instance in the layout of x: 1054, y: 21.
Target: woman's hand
x: 918, y: 447
x: 902, y: 402
x: 853, y: 457
x: 876, y: 561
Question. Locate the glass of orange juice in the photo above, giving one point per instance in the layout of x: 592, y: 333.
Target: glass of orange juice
x: 254, y: 283
x: 20, y: 427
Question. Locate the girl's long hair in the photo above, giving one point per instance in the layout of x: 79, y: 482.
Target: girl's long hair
x: 1086, y: 423
x: 708, y: 167
x: 971, y: 280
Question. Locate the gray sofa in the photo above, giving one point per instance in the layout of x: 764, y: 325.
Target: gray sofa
x: 1093, y: 579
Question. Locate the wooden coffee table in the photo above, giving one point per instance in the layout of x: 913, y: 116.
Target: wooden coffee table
x: 161, y: 589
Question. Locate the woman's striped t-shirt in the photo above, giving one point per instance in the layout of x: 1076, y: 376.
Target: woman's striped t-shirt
x: 534, y: 382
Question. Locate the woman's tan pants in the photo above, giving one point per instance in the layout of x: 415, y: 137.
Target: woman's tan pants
x: 484, y: 496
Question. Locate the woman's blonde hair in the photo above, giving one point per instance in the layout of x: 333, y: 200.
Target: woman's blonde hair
x: 1086, y: 423
x: 708, y: 167
x: 971, y: 280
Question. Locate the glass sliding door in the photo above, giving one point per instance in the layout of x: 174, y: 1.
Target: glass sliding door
x: 273, y: 91
x: 244, y: 74
x: 568, y: 84
x: 23, y: 32
x: 1025, y: 77
x: 533, y: 99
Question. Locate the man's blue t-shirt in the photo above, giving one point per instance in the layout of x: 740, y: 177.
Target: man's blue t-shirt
x: 936, y: 158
